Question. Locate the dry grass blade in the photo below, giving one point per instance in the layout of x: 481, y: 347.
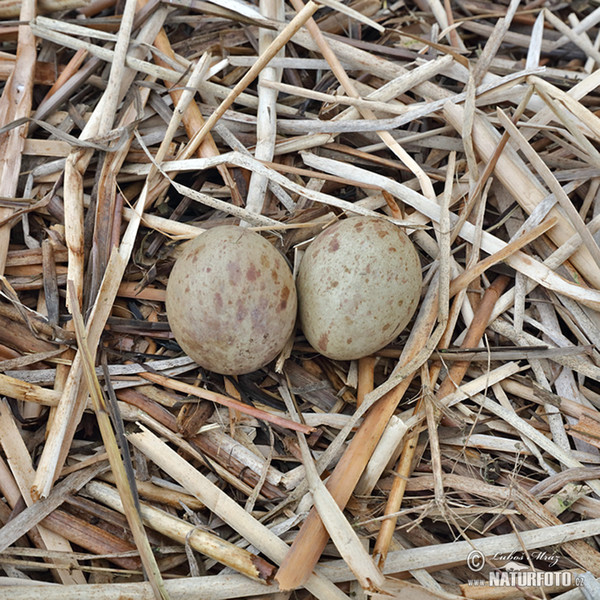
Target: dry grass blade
x: 225, y: 507
x: 114, y: 455
x: 202, y: 541
x: 15, y: 104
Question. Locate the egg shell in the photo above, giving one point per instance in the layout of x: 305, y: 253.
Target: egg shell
x: 231, y: 300
x: 358, y: 284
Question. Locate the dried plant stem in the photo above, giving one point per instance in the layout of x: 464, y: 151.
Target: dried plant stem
x: 312, y: 537
x: 128, y: 496
x: 350, y: 89
x: 465, y: 278
x: 341, y: 532
x: 283, y: 38
x: 192, y: 117
x: 524, y: 188
x: 266, y: 117
x: 225, y: 507
x: 241, y: 560
x: 21, y: 468
x: 225, y: 401
x: 366, y: 374
x: 78, y: 159
x: 450, y: 383
x: 15, y: 104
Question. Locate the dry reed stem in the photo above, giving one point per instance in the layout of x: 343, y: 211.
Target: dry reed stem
x: 225, y: 507
x: 312, y: 537
x: 15, y: 104
x: 284, y: 36
x: 225, y: 401
x: 127, y: 494
x: 266, y: 114
x: 21, y: 468
x: 242, y: 561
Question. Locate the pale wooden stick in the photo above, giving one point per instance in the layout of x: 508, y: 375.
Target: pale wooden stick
x: 279, y: 42
x: 21, y: 466
x: 266, y: 115
x: 207, y: 543
x: 452, y: 380
x: 221, y: 587
x: 15, y: 104
x: 248, y: 162
x: 225, y: 401
x: 225, y: 507
x: 337, y: 98
x: 73, y: 398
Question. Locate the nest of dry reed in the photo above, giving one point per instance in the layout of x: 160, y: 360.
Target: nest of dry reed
x: 467, y: 448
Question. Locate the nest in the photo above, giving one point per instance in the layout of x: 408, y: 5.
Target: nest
x: 461, y: 461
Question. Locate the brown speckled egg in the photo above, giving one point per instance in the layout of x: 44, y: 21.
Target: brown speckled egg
x: 231, y: 300
x: 358, y: 284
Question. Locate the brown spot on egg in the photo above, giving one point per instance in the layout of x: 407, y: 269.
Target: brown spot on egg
x: 285, y: 294
x: 334, y: 245
x: 252, y: 273
x: 264, y: 260
x: 349, y: 341
x: 218, y: 301
x: 323, y: 340
x: 234, y: 272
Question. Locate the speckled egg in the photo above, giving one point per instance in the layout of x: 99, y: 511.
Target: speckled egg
x: 358, y: 285
x: 231, y: 300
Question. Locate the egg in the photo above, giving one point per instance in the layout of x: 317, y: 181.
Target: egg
x: 358, y: 284
x: 231, y: 300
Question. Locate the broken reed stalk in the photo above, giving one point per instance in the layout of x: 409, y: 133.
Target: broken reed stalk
x: 15, y: 104
x: 208, y: 544
x: 226, y: 401
x: 225, y: 507
x: 192, y: 116
x: 266, y: 112
x: 312, y: 537
x: 123, y: 481
x: 274, y: 47
x: 452, y: 380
